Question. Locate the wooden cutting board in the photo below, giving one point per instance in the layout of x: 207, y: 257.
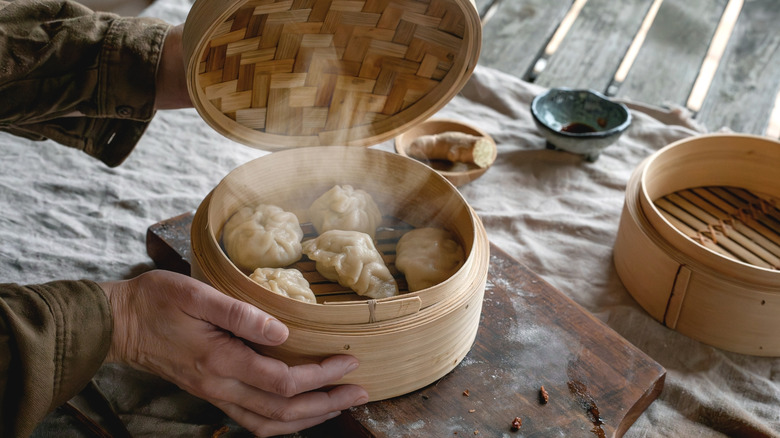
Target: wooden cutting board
x: 530, y: 335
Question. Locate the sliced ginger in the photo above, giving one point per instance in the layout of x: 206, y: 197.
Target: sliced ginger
x: 453, y: 146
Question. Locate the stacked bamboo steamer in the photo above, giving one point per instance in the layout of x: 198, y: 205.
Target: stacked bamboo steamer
x: 698, y: 244
x: 309, y: 79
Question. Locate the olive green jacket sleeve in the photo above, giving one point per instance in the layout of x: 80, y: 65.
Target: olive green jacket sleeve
x: 53, y: 339
x: 81, y: 78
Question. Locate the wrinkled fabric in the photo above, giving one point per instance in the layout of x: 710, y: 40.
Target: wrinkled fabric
x: 80, y: 78
x: 53, y: 338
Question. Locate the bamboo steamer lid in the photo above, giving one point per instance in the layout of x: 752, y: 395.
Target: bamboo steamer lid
x: 403, y: 343
x: 720, y: 283
x: 293, y: 73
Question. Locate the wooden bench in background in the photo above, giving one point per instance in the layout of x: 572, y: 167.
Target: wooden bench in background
x: 718, y: 58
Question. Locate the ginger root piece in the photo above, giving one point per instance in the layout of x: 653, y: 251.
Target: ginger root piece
x: 453, y: 146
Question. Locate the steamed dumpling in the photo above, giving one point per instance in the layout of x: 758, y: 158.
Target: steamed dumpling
x: 262, y: 237
x: 287, y: 282
x: 427, y: 256
x: 351, y: 259
x: 345, y: 208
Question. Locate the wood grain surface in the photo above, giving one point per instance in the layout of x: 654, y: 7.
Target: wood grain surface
x: 530, y: 335
x: 747, y: 82
x: 665, y: 71
x: 678, y: 47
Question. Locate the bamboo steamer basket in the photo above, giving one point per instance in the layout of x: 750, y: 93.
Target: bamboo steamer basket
x: 310, y: 79
x: 698, y: 243
x: 403, y: 343
x: 294, y: 73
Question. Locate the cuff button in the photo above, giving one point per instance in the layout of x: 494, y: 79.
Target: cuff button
x: 124, y: 111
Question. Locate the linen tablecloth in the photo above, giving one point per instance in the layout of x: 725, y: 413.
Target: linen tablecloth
x: 66, y: 216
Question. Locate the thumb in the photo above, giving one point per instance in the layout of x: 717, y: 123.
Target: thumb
x: 243, y: 319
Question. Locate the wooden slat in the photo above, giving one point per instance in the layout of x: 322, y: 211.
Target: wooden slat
x: 744, y: 213
x: 704, y: 241
x: 721, y: 233
x: 747, y: 81
x: 592, y: 50
x: 675, y: 46
x: 515, y: 36
x: 767, y: 245
x: 743, y: 91
x: 731, y: 221
x: 733, y: 209
x: 391, y: 229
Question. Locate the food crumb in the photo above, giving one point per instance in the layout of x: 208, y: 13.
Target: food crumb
x: 466, y: 392
x: 516, y: 423
x: 471, y: 411
x: 476, y: 432
x: 543, y: 396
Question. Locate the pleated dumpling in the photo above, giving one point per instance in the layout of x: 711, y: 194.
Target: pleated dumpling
x: 345, y: 208
x: 351, y: 259
x: 427, y: 256
x: 286, y: 282
x: 264, y: 236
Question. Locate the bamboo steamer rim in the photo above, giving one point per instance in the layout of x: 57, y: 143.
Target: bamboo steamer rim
x: 685, y: 286
x: 740, y: 160
x: 388, y: 313
x: 291, y: 76
x: 339, y: 323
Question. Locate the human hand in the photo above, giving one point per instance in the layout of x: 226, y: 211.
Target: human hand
x: 191, y: 334
x: 171, y: 84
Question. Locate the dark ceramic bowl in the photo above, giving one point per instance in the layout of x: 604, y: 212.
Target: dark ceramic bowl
x: 579, y: 121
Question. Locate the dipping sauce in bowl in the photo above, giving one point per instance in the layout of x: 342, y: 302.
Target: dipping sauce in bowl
x: 579, y: 121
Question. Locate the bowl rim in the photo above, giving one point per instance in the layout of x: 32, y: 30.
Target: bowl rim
x: 457, y: 178
x: 597, y: 134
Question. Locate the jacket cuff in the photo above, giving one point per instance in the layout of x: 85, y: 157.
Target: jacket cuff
x: 128, y: 68
x: 83, y: 316
x: 59, y: 335
x: 109, y: 140
x: 126, y: 88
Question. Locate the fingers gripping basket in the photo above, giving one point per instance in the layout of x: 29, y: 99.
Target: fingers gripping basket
x: 293, y: 73
x: 404, y: 342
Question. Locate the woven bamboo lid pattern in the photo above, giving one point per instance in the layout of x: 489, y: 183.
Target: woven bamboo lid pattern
x: 290, y: 73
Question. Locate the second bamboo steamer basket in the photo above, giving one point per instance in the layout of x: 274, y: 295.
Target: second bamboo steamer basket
x: 698, y: 244
x: 293, y: 73
x: 403, y: 343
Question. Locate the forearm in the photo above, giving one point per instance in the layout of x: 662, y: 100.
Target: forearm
x: 82, y: 78
x: 53, y: 338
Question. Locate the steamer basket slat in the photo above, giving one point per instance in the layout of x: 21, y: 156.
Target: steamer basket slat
x: 698, y: 240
